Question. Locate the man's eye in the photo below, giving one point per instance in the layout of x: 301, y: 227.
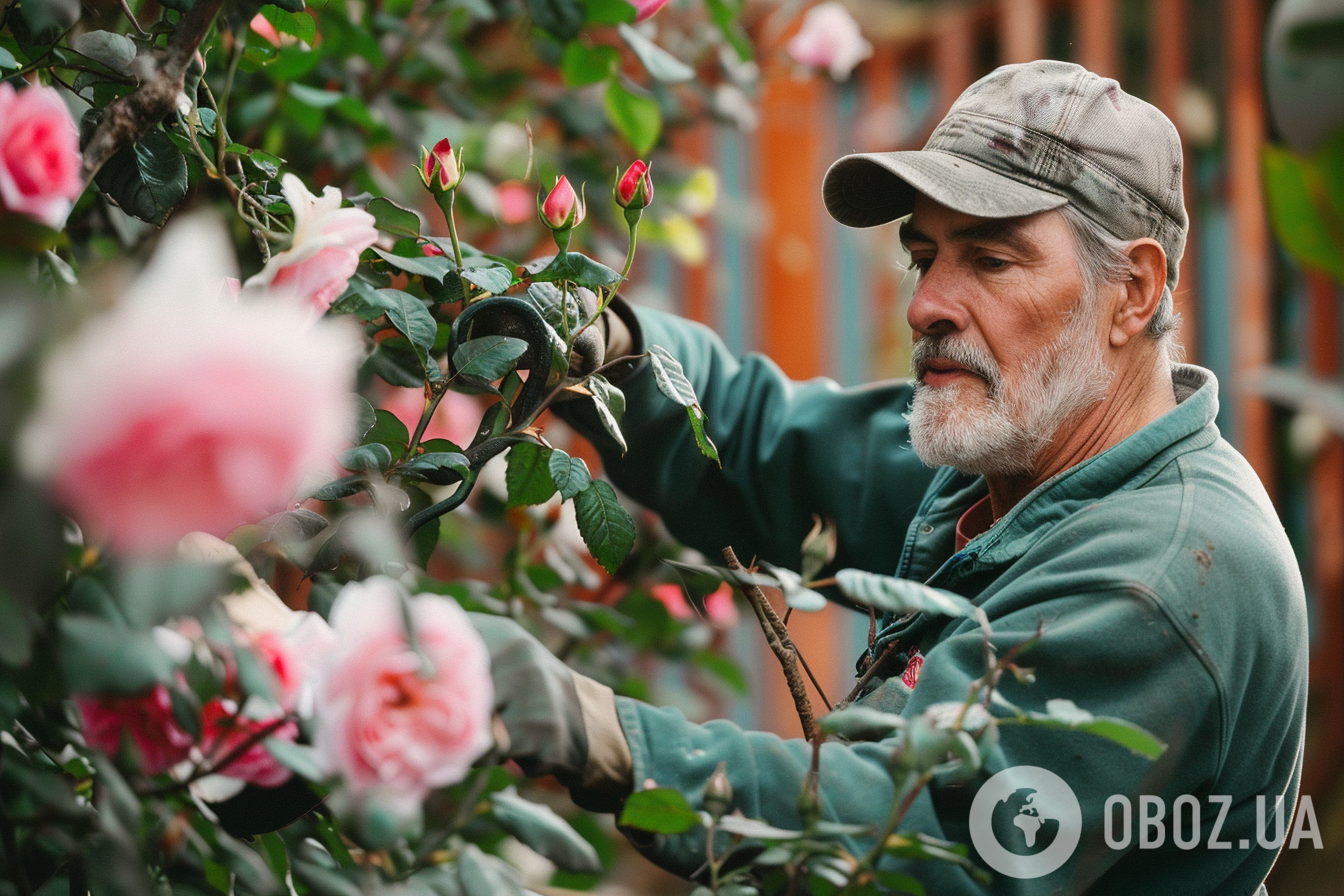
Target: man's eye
x: 991, y: 263
x: 920, y: 264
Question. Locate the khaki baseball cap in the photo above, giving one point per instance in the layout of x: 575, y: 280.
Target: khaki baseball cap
x: 1024, y: 139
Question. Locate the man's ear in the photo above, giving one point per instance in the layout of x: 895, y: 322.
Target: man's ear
x: 1142, y: 291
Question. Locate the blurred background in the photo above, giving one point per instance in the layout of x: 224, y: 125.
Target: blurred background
x: 1256, y: 90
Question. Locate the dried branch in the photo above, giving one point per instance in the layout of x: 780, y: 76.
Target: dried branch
x: 777, y: 636
x: 129, y: 118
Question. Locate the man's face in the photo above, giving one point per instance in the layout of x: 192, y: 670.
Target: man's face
x: 1008, y: 339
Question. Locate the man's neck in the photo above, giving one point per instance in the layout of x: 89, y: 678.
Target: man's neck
x: 1141, y: 393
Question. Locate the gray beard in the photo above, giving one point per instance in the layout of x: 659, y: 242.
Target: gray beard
x: 1004, y: 434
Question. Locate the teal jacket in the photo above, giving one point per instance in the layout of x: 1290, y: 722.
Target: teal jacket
x: 1166, y: 589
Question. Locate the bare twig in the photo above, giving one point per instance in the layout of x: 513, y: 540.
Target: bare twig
x: 868, y: 675
x: 777, y: 636
x: 129, y: 118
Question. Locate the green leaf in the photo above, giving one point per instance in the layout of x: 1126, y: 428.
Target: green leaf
x: 486, y: 875
x: 412, y: 320
x: 662, y: 65
x: 488, y: 358
x: 295, y: 23
x: 436, y: 467
x: 7, y: 59
x: 490, y: 276
x: 893, y: 595
x: 861, y: 723
x: 1061, y: 713
x: 388, y: 430
x: 570, y: 474
x: 528, y: 475
x: 101, y: 657
x: 1305, y: 220
x: 722, y: 668
x: 635, y: 117
x: 434, y: 266
x: 661, y: 810
x: 899, y: 882
x: 341, y: 488
x: 150, y: 593
x: 314, y: 97
x: 583, y: 65
x: 147, y: 180
x: 670, y: 378
x: 301, y: 759
x: 367, y: 457
x: 702, y: 440
x: 562, y: 18
x: 579, y: 269
x: 610, y: 403
x: 15, y: 632
x: 756, y: 829
x: 116, y: 51
x: 609, y: 12
x: 541, y: 829
x: 606, y: 528
x: 392, y: 218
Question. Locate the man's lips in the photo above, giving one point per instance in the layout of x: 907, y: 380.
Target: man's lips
x: 940, y: 372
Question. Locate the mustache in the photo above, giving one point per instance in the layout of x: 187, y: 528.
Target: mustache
x: 958, y: 351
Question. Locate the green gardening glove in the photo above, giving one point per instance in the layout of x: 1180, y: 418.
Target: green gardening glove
x: 537, y: 700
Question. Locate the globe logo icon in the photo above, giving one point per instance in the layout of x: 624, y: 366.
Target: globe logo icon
x: 1025, y: 822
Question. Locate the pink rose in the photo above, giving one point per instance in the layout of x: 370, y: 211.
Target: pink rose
x: 645, y: 9
x: 39, y: 154
x: 392, y: 728
x: 325, y: 249
x: 515, y: 202
x: 224, y: 730
x: 148, y: 720
x: 720, y: 610
x: 830, y: 39
x: 177, y: 411
x: 294, y: 658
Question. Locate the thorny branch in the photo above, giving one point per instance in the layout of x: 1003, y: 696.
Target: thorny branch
x: 126, y: 120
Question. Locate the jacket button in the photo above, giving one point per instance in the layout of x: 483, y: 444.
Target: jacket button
x: 926, y: 529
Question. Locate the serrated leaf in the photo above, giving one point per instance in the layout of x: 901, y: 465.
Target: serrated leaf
x: 861, y: 723
x: 436, y: 467
x: 545, y: 832
x: 606, y: 528
x: 610, y: 403
x: 893, y: 595
x: 412, y: 320
x: 490, y: 276
x: 578, y: 269
x: 570, y: 474
x: 101, y: 657
x: 661, y: 810
x: 635, y: 117
x: 702, y: 439
x: 435, y: 267
x: 670, y: 378
x: 116, y: 51
x: 527, y: 474
x: 488, y: 357
x: 392, y: 218
x: 659, y: 63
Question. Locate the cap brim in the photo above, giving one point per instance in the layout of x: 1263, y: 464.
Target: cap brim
x: 867, y: 189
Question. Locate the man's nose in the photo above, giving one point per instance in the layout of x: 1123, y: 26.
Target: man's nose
x: 935, y: 308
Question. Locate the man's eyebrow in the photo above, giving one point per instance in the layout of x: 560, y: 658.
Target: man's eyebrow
x: 1004, y: 231
x: 909, y: 233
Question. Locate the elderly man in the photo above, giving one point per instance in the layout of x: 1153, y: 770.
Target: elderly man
x: 1050, y: 462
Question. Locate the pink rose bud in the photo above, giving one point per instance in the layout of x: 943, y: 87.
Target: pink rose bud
x: 634, y: 189
x: 645, y: 9
x: 224, y: 732
x: 432, y: 249
x: 324, y: 251
x: 39, y: 154
x: 146, y: 718
x: 387, y: 721
x: 562, y: 208
x: 440, y: 169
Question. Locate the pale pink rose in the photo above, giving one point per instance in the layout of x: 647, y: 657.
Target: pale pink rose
x: 392, y: 728
x: 224, y: 731
x: 720, y: 610
x: 516, y: 203
x: 39, y: 154
x: 645, y: 9
x: 294, y: 658
x: 830, y: 39
x: 325, y: 248
x: 177, y: 411
x: 672, y: 597
x: 147, y: 718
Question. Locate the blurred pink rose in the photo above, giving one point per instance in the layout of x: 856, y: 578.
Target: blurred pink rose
x: 224, y: 730
x: 325, y: 248
x: 646, y: 8
x: 39, y: 154
x: 720, y: 610
x: 294, y: 658
x: 393, y: 730
x: 263, y: 27
x: 147, y: 718
x: 516, y: 203
x: 830, y: 39
x: 177, y: 411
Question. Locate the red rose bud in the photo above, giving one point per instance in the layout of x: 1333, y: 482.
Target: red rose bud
x: 430, y: 249
x: 634, y: 189
x: 439, y: 167
x: 562, y: 208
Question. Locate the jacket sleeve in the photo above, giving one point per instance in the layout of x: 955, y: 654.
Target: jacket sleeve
x: 1165, y: 690
x: 789, y: 450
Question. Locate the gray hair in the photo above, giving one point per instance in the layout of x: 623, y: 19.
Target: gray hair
x: 1104, y: 258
